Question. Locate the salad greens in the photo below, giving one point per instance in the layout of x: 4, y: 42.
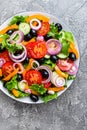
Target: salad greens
x: 53, y: 31
x: 49, y: 97
x: 65, y: 47
x: 38, y: 88
x: 34, y: 50
x: 13, y: 83
x: 18, y: 19
x: 10, y: 47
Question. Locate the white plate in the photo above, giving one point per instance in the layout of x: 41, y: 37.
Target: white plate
x: 52, y: 19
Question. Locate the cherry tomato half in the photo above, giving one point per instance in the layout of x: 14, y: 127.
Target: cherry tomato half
x: 36, y: 49
x: 33, y: 77
x: 64, y: 65
x: 45, y: 27
x: 5, y: 56
x: 7, y: 68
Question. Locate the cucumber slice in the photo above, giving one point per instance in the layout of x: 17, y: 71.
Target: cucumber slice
x: 62, y: 56
x: 24, y: 27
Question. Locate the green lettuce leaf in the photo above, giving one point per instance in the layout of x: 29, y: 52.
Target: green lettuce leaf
x: 10, y: 47
x: 65, y: 47
x: 18, y: 19
x: 53, y: 31
x: 13, y: 83
x: 38, y: 88
x: 49, y: 97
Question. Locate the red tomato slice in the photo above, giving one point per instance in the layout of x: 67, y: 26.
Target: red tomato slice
x: 45, y: 27
x: 33, y: 77
x: 36, y: 49
x: 5, y: 56
x: 64, y: 65
x: 47, y: 85
x: 7, y: 68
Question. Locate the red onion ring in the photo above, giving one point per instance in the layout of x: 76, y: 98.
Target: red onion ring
x: 21, y: 68
x: 2, y: 61
x: 48, y: 70
x: 19, y: 60
x: 21, y: 55
x: 21, y: 37
x: 73, y: 70
x: 55, y: 48
x: 35, y: 27
x: 36, y: 63
x: 59, y: 81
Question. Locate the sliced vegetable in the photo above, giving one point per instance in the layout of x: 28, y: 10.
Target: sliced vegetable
x: 60, y: 81
x: 19, y: 94
x: 62, y: 55
x: 33, y: 77
x: 73, y: 70
x: 19, y: 66
x: 24, y: 27
x: 7, y: 68
x: 25, y: 43
x: 0, y: 72
x: 2, y: 61
x: 37, y: 26
x: 56, y: 89
x: 49, y: 72
x: 23, y: 86
x: 15, y: 93
x: 73, y: 49
x: 3, y: 31
x: 57, y: 80
x: 60, y: 73
x: 45, y: 27
x: 17, y: 37
x: 64, y: 65
x: 41, y: 17
x: 36, y: 49
x: 53, y: 46
x: 11, y: 75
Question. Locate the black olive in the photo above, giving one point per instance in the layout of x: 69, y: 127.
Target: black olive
x: 53, y: 58
x: 33, y: 33
x: 44, y: 73
x: 72, y: 56
x: 34, y: 97
x: 59, y: 26
x: 26, y: 60
x: 27, y: 37
x: 41, y: 60
x: 2, y: 49
x: 9, y: 32
x: 47, y: 37
x: 19, y: 77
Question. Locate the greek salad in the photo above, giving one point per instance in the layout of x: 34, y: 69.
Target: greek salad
x: 37, y: 57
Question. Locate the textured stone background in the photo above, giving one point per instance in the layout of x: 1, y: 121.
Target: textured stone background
x: 69, y: 111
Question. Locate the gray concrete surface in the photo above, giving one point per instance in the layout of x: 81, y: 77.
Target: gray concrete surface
x: 69, y: 111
